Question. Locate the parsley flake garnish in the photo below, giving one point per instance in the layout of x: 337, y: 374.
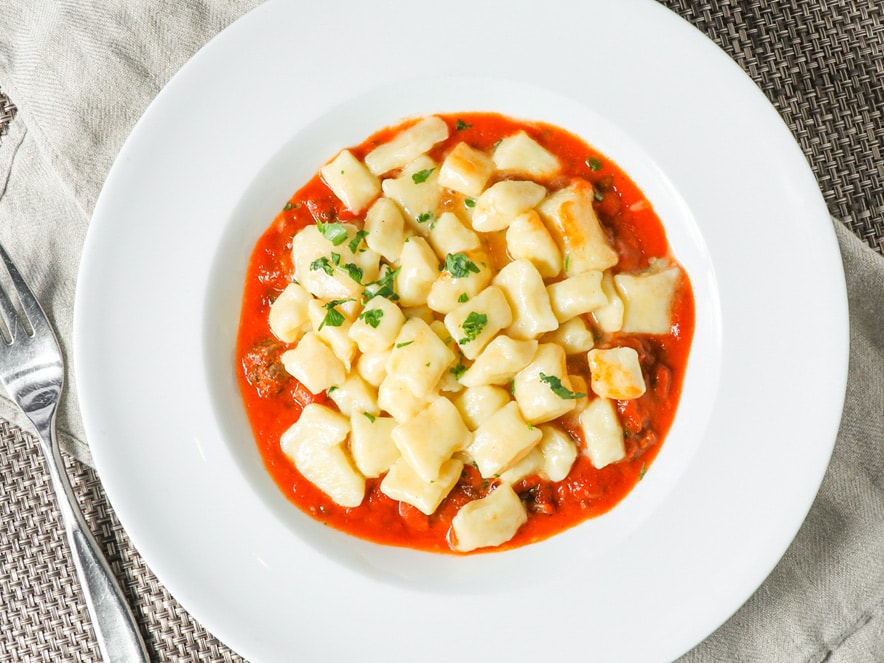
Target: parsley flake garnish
x: 333, y: 317
x: 464, y: 297
x: 421, y: 176
x: 323, y: 264
x: 558, y: 388
x: 354, y: 271
x: 461, y: 125
x: 404, y: 344
x: 372, y: 317
x: 459, y: 265
x: 458, y: 370
x: 469, y: 202
x: 424, y: 217
x: 357, y: 238
x: 384, y: 289
x: 370, y: 416
x: 642, y: 472
x: 328, y: 266
x: 473, y: 326
x: 334, y: 232
x: 288, y: 206
x: 594, y: 164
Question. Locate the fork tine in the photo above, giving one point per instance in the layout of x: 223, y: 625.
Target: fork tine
x: 10, y: 315
x: 34, y: 314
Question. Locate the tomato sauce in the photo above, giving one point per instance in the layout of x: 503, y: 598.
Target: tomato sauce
x: 273, y: 399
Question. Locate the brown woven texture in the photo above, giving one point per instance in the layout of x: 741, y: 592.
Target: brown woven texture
x: 821, y: 63
x: 7, y: 113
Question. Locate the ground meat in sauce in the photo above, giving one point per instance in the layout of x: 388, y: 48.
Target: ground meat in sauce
x: 264, y: 370
x: 537, y: 495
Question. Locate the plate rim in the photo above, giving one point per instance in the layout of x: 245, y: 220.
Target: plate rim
x: 179, y: 81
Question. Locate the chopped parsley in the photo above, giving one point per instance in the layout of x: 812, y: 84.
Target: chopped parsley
x: 324, y: 265
x: 403, y: 344
x: 328, y: 266
x: 333, y: 317
x: 473, y: 326
x: 424, y: 217
x: 469, y: 202
x: 334, y: 232
x: 567, y: 261
x: 357, y: 238
x: 594, y: 164
x: 459, y: 265
x: 461, y: 125
x: 354, y: 271
x: 384, y: 289
x: 422, y: 176
x: 372, y: 317
x: 642, y: 472
x: 558, y: 388
x: 458, y: 370
x: 287, y: 207
x: 464, y: 297
x: 370, y: 416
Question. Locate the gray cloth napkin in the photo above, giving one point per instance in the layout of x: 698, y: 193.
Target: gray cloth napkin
x: 825, y: 599
x: 83, y: 72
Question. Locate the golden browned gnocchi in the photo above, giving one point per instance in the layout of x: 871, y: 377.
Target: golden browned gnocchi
x: 466, y: 333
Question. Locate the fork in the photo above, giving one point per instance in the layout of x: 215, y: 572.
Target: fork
x: 32, y: 371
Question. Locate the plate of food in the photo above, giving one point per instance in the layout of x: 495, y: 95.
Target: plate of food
x: 428, y: 343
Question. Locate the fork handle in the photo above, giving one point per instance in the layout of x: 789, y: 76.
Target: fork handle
x: 119, y: 639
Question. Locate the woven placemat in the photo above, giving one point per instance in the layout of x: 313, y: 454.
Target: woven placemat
x: 7, y: 114
x: 819, y: 62
x: 43, y: 616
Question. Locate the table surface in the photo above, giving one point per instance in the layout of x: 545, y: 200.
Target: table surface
x: 820, y: 63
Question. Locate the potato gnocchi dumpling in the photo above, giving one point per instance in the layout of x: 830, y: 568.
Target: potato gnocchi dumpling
x: 455, y: 329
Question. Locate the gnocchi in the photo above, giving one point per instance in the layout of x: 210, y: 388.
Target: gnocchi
x: 466, y: 333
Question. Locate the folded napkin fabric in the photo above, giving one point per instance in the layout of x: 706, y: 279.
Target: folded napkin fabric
x: 81, y: 74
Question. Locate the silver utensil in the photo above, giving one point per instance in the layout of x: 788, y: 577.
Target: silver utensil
x: 32, y: 372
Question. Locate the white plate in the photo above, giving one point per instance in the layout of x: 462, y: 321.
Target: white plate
x: 244, y: 124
